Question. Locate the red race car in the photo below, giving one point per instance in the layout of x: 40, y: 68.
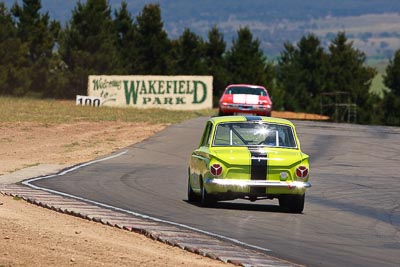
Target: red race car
x: 245, y: 99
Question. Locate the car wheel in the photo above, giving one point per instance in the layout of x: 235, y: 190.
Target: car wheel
x: 283, y: 201
x: 207, y: 200
x: 192, y: 197
x: 294, y: 203
x: 220, y: 112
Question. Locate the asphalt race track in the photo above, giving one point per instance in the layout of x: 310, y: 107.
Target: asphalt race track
x: 351, y: 215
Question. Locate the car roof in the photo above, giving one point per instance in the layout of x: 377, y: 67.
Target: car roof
x: 238, y: 118
x: 245, y: 85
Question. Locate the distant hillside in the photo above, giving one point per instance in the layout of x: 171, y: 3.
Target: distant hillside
x: 373, y: 25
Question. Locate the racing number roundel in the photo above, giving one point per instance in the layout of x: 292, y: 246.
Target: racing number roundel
x: 216, y: 169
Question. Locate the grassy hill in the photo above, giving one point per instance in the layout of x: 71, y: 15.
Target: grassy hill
x: 373, y: 25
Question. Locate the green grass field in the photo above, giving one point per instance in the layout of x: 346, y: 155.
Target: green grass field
x: 63, y: 111
x: 377, y: 85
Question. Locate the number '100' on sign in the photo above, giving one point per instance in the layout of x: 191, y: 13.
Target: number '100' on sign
x: 82, y: 100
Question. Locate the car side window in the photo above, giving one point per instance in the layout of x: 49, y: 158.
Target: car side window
x: 205, y: 141
x: 223, y: 135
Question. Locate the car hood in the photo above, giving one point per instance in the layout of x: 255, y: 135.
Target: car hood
x: 243, y: 155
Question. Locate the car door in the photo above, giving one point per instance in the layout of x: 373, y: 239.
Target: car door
x: 200, y: 157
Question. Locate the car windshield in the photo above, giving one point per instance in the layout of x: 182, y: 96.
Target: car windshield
x: 254, y: 134
x: 246, y: 91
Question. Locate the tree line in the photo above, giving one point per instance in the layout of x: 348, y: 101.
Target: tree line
x: 39, y: 57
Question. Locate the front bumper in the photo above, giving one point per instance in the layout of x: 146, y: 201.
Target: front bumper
x: 257, y: 183
x: 253, y: 109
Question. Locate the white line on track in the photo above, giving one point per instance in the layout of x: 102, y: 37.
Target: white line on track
x: 28, y: 183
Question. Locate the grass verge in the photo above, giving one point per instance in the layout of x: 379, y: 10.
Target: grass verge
x: 66, y: 111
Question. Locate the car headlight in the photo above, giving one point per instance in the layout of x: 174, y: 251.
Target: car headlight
x: 284, y: 176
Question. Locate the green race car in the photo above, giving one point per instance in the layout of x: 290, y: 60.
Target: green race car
x: 249, y: 157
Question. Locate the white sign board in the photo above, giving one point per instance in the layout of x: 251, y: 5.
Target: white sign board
x: 167, y: 92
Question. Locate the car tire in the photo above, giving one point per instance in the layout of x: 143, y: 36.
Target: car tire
x: 192, y: 197
x: 207, y: 200
x: 294, y: 203
x: 283, y: 201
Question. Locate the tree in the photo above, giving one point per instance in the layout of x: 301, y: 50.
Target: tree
x: 347, y: 73
x: 392, y: 77
x: 88, y: 45
x: 391, y: 109
x: 153, y: 45
x: 126, y: 35
x: 39, y: 34
x: 245, y: 60
x: 14, y: 64
x: 302, y: 72
x: 287, y: 76
x: 391, y: 99
x: 214, y: 52
x: 189, y: 54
